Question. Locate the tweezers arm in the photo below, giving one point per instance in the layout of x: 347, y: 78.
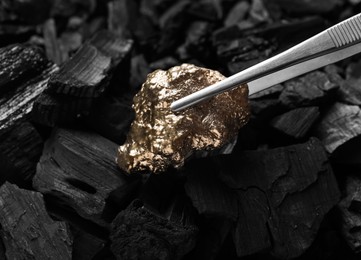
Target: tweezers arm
x: 339, y: 36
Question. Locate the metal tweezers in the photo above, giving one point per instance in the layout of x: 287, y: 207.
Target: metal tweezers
x: 334, y: 44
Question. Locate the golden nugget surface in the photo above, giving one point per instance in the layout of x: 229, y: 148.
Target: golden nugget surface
x: 159, y: 138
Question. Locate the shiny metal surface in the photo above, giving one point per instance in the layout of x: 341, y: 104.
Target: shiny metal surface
x: 159, y: 138
x: 334, y: 44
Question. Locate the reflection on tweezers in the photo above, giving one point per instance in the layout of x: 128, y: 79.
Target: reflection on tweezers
x: 334, y: 44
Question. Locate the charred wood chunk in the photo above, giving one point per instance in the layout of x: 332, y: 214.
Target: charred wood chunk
x: 173, y: 21
x: 206, y: 10
x: 77, y: 169
x: 242, y: 53
x: 111, y: 117
x: 52, y: 109
x: 314, y: 88
x: 20, y: 149
x: 20, y: 143
x: 20, y: 63
x: 340, y: 124
x: 27, y: 230
x: 113, y: 46
x: 297, y: 122
x: 2, y: 250
x: 138, y: 233
x: 85, y: 245
x: 213, y: 233
x: 21, y: 12
x: 350, y: 91
x: 237, y: 13
x: 71, y: 91
x: 305, y: 6
x: 350, y: 208
x: 54, y: 49
x: 197, y: 43
x: 209, y: 195
x: 84, y: 75
x: 283, y: 194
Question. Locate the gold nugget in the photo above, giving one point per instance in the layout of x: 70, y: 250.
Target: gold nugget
x: 160, y: 138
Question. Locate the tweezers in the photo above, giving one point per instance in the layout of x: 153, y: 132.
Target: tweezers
x: 334, y: 44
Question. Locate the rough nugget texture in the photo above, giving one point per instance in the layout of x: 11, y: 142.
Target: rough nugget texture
x: 160, y: 138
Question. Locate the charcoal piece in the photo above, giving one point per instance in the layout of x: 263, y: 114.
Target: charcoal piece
x: 208, y: 194
x: 334, y: 73
x: 309, y: 7
x: 54, y: 50
x: 237, y: 13
x: 197, y: 43
x: 279, y: 31
x: 350, y: 208
x: 17, y: 104
x: 164, y: 63
x: 85, y: 245
x: 119, y: 15
x: 245, y: 52
x: 27, y: 230
x: 22, y: 12
x: 77, y: 169
x: 340, y: 124
x: 2, y: 250
x: 68, y: 8
x: 350, y: 92
x: 172, y: 23
x: 139, y: 69
x: 20, y: 63
x: 284, y: 194
x: 240, y: 47
x: 138, y: 233
x: 312, y: 89
x: 297, y: 122
x: 265, y: 108
x: 348, y: 154
x: 250, y: 234
x: 21, y: 147
x: 52, y: 109
x: 258, y: 12
x: 72, y: 90
x: 212, y: 236
x: 111, y: 117
x: 113, y: 46
x: 126, y: 20
x: 84, y: 75
x: 210, y: 10
x: 20, y: 143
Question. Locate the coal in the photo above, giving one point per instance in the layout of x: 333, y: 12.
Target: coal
x: 279, y: 191
x: 20, y: 63
x: 275, y: 196
x: 350, y: 210
x: 71, y: 91
x: 26, y: 228
x: 21, y: 144
x: 297, y: 122
x: 314, y: 88
x: 339, y: 125
x: 138, y: 233
x: 91, y: 184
